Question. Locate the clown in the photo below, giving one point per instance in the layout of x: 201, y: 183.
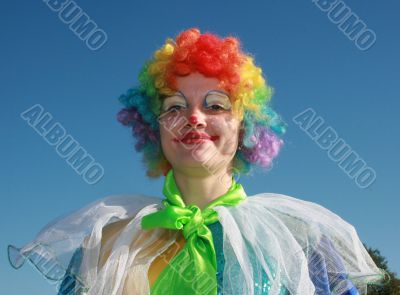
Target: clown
x: 200, y: 116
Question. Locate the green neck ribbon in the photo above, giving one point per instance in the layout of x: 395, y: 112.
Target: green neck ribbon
x: 193, y: 269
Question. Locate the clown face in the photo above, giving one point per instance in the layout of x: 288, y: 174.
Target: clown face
x: 199, y: 133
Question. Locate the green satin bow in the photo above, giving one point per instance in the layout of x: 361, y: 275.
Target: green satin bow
x: 193, y: 269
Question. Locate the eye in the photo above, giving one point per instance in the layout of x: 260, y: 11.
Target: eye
x: 176, y: 107
x: 175, y: 102
x: 217, y: 101
x: 216, y: 107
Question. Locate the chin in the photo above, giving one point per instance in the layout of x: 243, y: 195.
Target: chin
x: 203, y: 154
x: 191, y: 162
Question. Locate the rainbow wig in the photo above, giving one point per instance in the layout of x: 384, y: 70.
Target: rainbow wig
x: 212, y: 56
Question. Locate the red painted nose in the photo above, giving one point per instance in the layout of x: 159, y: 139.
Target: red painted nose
x: 193, y: 120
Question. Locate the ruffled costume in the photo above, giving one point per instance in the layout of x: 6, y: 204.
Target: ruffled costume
x: 263, y: 244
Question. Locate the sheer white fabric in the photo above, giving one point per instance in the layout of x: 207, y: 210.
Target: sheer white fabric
x: 276, y: 234
x: 285, y: 235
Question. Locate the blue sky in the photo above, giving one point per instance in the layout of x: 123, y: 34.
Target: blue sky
x: 308, y: 60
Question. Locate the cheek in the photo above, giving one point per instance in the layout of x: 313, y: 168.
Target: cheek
x: 228, y: 130
x: 168, y: 147
x: 226, y: 127
x: 172, y: 125
x: 166, y: 140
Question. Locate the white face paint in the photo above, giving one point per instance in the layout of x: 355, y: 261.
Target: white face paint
x: 217, y: 100
x: 175, y: 102
x: 197, y: 125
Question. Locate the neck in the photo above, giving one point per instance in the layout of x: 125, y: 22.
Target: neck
x: 202, y: 189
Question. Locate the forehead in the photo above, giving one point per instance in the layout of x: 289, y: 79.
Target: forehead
x: 196, y: 84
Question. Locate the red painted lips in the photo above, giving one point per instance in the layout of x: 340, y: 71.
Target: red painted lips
x: 193, y: 137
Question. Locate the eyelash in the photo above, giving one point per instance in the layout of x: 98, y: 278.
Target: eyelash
x: 176, y: 107
x: 214, y: 107
x: 219, y: 107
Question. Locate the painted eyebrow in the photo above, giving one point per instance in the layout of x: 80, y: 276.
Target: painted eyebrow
x: 179, y: 93
x: 218, y: 91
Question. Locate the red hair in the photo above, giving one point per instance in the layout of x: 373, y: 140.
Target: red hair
x: 208, y: 54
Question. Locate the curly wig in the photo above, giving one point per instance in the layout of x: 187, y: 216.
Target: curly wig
x: 212, y: 56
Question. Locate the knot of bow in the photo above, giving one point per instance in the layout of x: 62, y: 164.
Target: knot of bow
x: 198, y: 256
